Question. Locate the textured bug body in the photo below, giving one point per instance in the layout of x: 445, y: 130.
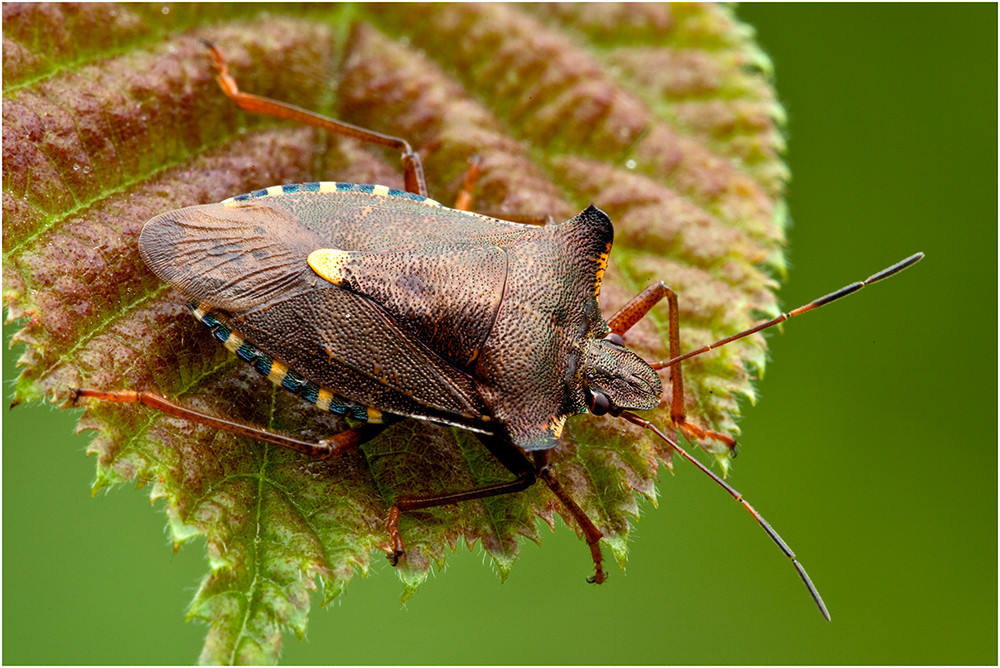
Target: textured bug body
x: 375, y: 303
x: 367, y: 300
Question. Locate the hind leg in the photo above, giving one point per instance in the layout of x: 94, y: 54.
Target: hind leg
x: 323, y: 449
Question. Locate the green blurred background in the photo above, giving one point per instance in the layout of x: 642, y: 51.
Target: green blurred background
x: 870, y: 450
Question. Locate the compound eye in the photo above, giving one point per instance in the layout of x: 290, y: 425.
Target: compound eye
x: 615, y: 339
x: 598, y: 403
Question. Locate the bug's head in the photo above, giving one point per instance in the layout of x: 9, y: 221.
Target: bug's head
x: 615, y: 378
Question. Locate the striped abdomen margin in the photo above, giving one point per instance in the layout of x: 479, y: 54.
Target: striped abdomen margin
x: 278, y: 372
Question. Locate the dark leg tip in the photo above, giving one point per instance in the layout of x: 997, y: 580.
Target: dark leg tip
x: 600, y: 577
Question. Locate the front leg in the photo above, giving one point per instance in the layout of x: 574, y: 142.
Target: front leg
x: 634, y: 311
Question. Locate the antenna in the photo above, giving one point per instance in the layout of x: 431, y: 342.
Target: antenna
x: 816, y: 303
x: 646, y: 424
x: 678, y: 415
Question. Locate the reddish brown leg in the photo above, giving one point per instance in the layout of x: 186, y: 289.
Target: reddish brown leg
x: 324, y: 449
x: 508, y: 455
x: 413, y: 170
x: 634, y: 311
x: 525, y: 480
x: 526, y: 473
x: 590, y: 530
x: 464, y: 200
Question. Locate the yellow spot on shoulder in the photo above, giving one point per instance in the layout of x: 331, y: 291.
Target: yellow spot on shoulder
x: 374, y: 415
x: 329, y: 263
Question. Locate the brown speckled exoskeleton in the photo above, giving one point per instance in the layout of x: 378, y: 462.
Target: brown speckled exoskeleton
x: 381, y: 304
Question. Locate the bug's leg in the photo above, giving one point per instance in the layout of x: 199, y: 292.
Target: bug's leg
x: 524, y: 480
x: 527, y: 472
x: 592, y: 534
x: 509, y: 456
x: 413, y: 169
x: 464, y: 200
x: 634, y: 311
x: 352, y: 438
x: 324, y: 449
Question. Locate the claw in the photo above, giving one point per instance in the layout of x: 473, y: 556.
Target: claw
x: 396, y: 552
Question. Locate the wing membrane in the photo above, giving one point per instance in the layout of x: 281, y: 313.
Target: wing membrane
x: 250, y: 261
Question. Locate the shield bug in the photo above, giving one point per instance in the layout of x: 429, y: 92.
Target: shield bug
x: 358, y: 299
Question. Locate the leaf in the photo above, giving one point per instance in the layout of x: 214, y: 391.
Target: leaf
x: 663, y: 116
